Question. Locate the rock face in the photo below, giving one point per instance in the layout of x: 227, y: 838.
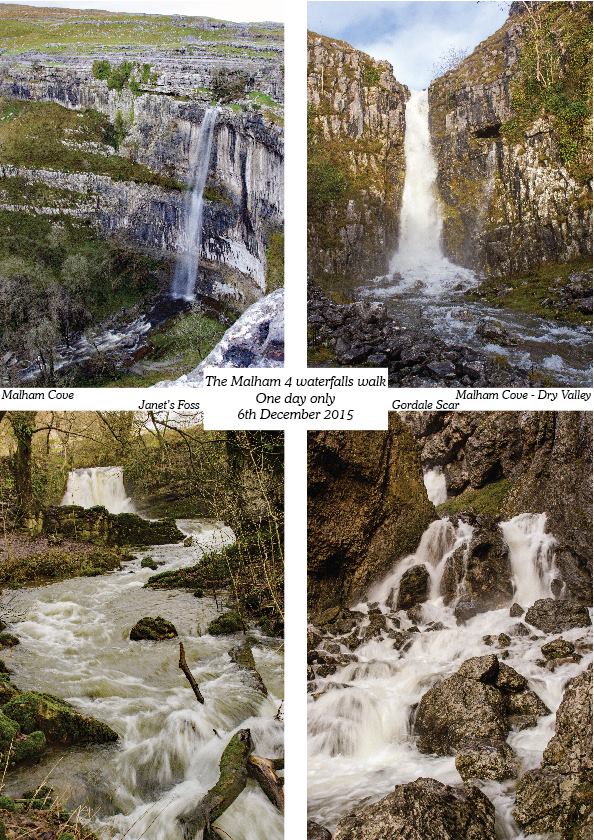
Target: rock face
x: 367, y: 508
x: 97, y: 525
x: 162, y: 119
x: 514, y: 158
x: 508, y: 463
x: 355, y: 160
x: 422, y: 809
x: 557, y: 797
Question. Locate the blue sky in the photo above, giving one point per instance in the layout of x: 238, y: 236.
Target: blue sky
x: 413, y: 37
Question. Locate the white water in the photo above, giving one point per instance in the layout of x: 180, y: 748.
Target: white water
x: 74, y: 642
x: 532, y: 556
x: 186, y: 269
x: 419, y: 259
x: 435, y: 485
x: 361, y: 740
x: 94, y: 486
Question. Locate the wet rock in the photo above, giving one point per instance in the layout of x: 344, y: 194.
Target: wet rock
x: 482, y: 668
x: 189, y: 541
x: 557, y: 796
x: 434, y: 625
x: 97, y: 525
x: 58, y: 720
x: 228, y: 622
x: 148, y: 563
x: 456, y: 709
x: 520, y: 629
x: 483, y: 759
x: 153, y: 630
x: 526, y: 703
x: 8, y: 640
x: 552, y: 616
x: 503, y: 640
x: 414, y: 587
x: 509, y: 680
x: 243, y: 657
x: 516, y: 611
x: 465, y: 609
x: 557, y: 649
x: 422, y: 809
x: 317, y: 832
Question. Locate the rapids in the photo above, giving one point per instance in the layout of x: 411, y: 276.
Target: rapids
x: 74, y: 643
x: 361, y: 741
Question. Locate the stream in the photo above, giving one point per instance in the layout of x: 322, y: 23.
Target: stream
x: 424, y: 288
x: 361, y: 741
x: 74, y: 643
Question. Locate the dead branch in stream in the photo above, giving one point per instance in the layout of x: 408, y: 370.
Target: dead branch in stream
x: 184, y: 667
x: 237, y: 764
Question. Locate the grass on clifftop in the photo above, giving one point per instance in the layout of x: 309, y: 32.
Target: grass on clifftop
x: 537, y: 292
x: 44, y: 135
x: 487, y: 500
x: 25, y: 28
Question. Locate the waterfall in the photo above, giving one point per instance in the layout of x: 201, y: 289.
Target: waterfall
x: 435, y: 485
x: 419, y: 258
x: 186, y: 269
x: 98, y: 486
x: 531, y: 555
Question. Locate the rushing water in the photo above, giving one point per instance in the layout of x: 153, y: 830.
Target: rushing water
x: 75, y: 643
x: 424, y: 288
x: 361, y: 742
x: 186, y: 269
x: 95, y: 486
x: 435, y: 485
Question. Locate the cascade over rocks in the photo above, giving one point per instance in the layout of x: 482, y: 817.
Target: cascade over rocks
x: 552, y: 616
x: 367, y: 507
x: 422, y: 809
x: 557, y: 797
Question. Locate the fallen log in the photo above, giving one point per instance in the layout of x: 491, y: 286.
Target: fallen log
x: 184, y: 667
x: 262, y: 771
x: 233, y: 777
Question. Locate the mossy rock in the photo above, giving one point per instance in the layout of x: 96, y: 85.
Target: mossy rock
x: 3, y: 834
x: 153, y: 630
x: 9, y: 729
x: 148, y: 563
x: 7, y: 804
x: 7, y: 689
x: 97, y: 525
x: 29, y: 747
x: 58, y: 720
x: 228, y: 622
x: 4, y: 669
x: 7, y: 640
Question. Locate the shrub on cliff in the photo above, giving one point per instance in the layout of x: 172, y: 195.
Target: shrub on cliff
x: 229, y: 85
x: 101, y: 69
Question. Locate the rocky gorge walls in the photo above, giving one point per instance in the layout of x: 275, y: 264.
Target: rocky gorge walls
x: 356, y: 162
x: 155, y: 107
x: 511, y: 131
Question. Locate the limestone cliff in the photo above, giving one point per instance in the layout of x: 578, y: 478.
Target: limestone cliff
x: 355, y: 162
x: 506, y: 463
x: 367, y: 507
x: 155, y: 112
x: 511, y: 130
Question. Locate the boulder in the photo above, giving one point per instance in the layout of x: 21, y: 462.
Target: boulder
x: 227, y: 622
x: 96, y: 525
x: 148, y: 563
x: 317, y: 832
x: 557, y: 649
x: 552, y: 616
x: 153, y: 630
x: 60, y: 722
x: 526, y: 703
x: 484, y: 759
x: 414, y: 587
x: 557, y: 797
x: 482, y: 668
x: 509, y: 680
x: 420, y: 810
x: 516, y: 611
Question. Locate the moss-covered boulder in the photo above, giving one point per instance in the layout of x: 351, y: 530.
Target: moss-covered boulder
x: 228, y: 622
x: 16, y: 746
x: 60, y: 722
x: 7, y: 640
x: 153, y: 630
x: 7, y: 689
x: 148, y: 563
x: 97, y: 525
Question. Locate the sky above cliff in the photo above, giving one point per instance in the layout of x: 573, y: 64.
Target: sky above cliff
x: 413, y: 37
x: 255, y: 10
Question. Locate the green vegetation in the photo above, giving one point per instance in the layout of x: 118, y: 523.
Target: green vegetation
x: 44, y: 135
x: 60, y: 30
x: 124, y: 75
x: 229, y: 85
x: 275, y: 261
x: 487, y: 500
x: 54, y: 563
x: 261, y: 98
x: 214, y: 191
x: 371, y: 76
x: 538, y: 292
x: 556, y: 81
x: 228, y: 622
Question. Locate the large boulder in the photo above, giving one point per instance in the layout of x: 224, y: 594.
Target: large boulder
x: 97, y: 525
x: 553, y: 616
x: 317, y: 832
x: 484, y: 759
x: 60, y: 722
x: 227, y: 622
x: 557, y: 797
x: 414, y: 587
x: 420, y: 810
x: 153, y: 630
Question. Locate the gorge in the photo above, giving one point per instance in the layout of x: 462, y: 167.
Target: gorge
x: 449, y: 645
x: 450, y: 229
x: 150, y: 217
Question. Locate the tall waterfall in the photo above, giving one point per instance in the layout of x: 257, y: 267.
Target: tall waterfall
x: 419, y: 258
x: 531, y: 555
x: 98, y: 486
x: 186, y: 269
x: 435, y: 485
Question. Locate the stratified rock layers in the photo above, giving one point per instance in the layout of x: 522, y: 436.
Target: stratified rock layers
x: 511, y: 129
x: 355, y: 161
